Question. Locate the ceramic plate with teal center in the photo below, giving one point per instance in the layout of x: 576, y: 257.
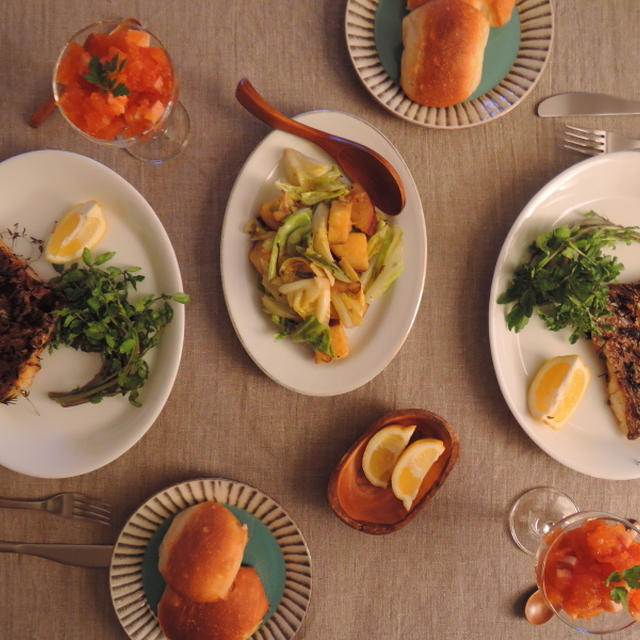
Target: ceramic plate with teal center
x: 515, y: 55
x: 276, y: 550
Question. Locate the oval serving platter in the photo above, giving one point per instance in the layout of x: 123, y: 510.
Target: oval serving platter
x: 515, y: 56
x: 276, y: 549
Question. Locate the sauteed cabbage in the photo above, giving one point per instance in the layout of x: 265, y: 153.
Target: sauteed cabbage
x: 323, y: 253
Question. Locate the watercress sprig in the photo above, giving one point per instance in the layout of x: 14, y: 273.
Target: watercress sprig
x: 97, y: 316
x: 565, y: 278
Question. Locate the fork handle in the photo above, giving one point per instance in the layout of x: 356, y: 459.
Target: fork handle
x: 81, y: 555
x: 14, y: 503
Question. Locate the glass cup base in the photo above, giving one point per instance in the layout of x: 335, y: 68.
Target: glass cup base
x: 168, y: 141
x: 533, y: 514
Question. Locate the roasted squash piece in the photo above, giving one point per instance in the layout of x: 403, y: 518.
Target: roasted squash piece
x: 354, y: 251
x: 339, y: 221
x: 363, y: 213
x: 339, y: 344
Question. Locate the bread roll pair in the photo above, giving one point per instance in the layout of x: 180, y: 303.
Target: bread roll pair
x: 444, y: 43
x: 208, y: 596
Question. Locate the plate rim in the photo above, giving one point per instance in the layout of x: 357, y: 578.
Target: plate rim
x: 125, y: 570
x: 359, y: 26
x: 496, y: 320
x: 311, y: 117
x: 177, y: 328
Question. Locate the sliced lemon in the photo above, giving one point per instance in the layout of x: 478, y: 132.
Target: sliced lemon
x: 382, y: 451
x: 83, y: 226
x: 411, y: 468
x: 557, y: 388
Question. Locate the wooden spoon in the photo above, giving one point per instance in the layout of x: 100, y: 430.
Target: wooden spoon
x: 536, y: 610
x: 361, y: 164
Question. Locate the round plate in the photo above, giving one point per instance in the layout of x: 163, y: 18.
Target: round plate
x: 590, y: 442
x: 276, y: 549
x: 515, y: 55
x: 37, y: 436
x: 388, y: 321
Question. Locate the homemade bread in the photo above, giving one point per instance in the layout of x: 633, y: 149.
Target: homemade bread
x: 201, y: 552
x: 444, y: 42
x: 497, y: 12
x: 234, y: 618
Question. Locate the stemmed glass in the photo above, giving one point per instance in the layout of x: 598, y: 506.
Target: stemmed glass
x: 540, y: 522
x: 148, y: 121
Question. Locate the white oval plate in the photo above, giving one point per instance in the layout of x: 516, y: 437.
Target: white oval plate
x: 387, y: 323
x: 371, y: 65
x: 37, y: 436
x: 131, y: 556
x: 590, y: 442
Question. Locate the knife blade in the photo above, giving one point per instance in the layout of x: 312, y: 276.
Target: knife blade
x: 582, y: 104
x: 80, y: 555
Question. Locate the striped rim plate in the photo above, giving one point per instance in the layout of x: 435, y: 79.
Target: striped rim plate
x: 126, y: 576
x: 536, y: 28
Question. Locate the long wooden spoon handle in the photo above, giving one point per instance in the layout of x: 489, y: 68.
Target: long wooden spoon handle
x: 255, y: 104
x: 42, y: 112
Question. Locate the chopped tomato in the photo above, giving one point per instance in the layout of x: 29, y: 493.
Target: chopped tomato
x: 146, y: 73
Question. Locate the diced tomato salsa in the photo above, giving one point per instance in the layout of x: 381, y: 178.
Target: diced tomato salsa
x: 147, y: 74
x: 579, y: 562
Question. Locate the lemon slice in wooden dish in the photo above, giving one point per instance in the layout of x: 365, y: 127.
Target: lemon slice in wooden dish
x: 82, y: 227
x: 376, y: 509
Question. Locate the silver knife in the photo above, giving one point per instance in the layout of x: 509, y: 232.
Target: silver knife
x: 583, y: 104
x: 80, y: 555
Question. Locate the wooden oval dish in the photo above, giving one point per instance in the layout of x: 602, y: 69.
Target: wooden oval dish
x: 375, y: 510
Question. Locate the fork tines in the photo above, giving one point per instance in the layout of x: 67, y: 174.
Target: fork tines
x: 588, y: 141
x: 88, y: 509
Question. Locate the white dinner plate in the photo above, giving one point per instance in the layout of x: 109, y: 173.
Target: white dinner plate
x: 389, y: 319
x: 37, y: 436
x: 515, y: 56
x: 276, y: 550
x: 590, y: 442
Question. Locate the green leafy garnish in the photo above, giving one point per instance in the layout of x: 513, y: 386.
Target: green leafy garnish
x: 98, y: 317
x: 103, y: 75
x: 620, y: 593
x: 565, y: 278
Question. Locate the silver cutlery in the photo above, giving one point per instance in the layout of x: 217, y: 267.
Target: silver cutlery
x: 67, y: 505
x: 594, y: 141
x: 582, y: 104
x: 79, y: 555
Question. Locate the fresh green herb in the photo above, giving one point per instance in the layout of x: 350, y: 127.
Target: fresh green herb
x: 565, y: 277
x: 620, y: 593
x: 97, y: 316
x: 103, y: 75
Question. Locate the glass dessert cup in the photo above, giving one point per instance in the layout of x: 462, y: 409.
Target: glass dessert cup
x: 575, y: 554
x: 148, y: 120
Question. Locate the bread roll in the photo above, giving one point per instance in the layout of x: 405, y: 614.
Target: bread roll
x: 497, y: 12
x: 444, y: 42
x: 201, y: 552
x: 234, y: 618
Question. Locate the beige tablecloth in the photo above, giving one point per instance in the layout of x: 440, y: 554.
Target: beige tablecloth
x: 453, y: 571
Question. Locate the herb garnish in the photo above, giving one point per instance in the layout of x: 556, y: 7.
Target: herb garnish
x: 102, y: 74
x: 565, y: 277
x: 620, y: 593
x: 98, y: 317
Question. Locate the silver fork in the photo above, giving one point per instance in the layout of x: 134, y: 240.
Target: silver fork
x: 594, y: 141
x: 68, y: 505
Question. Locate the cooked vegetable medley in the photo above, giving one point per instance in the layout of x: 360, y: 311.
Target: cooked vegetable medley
x: 324, y: 253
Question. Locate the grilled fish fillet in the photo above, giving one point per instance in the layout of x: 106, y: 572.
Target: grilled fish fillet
x: 619, y: 348
x: 26, y: 324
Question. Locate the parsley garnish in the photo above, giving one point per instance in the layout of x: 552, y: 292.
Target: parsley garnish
x: 102, y: 74
x: 620, y: 593
x: 98, y: 317
x: 565, y: 277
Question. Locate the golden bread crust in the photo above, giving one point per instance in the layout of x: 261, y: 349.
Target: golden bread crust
x: 444, y: 42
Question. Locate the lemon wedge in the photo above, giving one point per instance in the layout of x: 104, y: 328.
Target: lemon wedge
x: 83, y: 226
x: 382, y: 451
x: 411, y: 468
x: 557, y: 388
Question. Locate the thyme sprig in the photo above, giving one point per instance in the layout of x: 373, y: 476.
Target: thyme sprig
x: 104, y: 75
